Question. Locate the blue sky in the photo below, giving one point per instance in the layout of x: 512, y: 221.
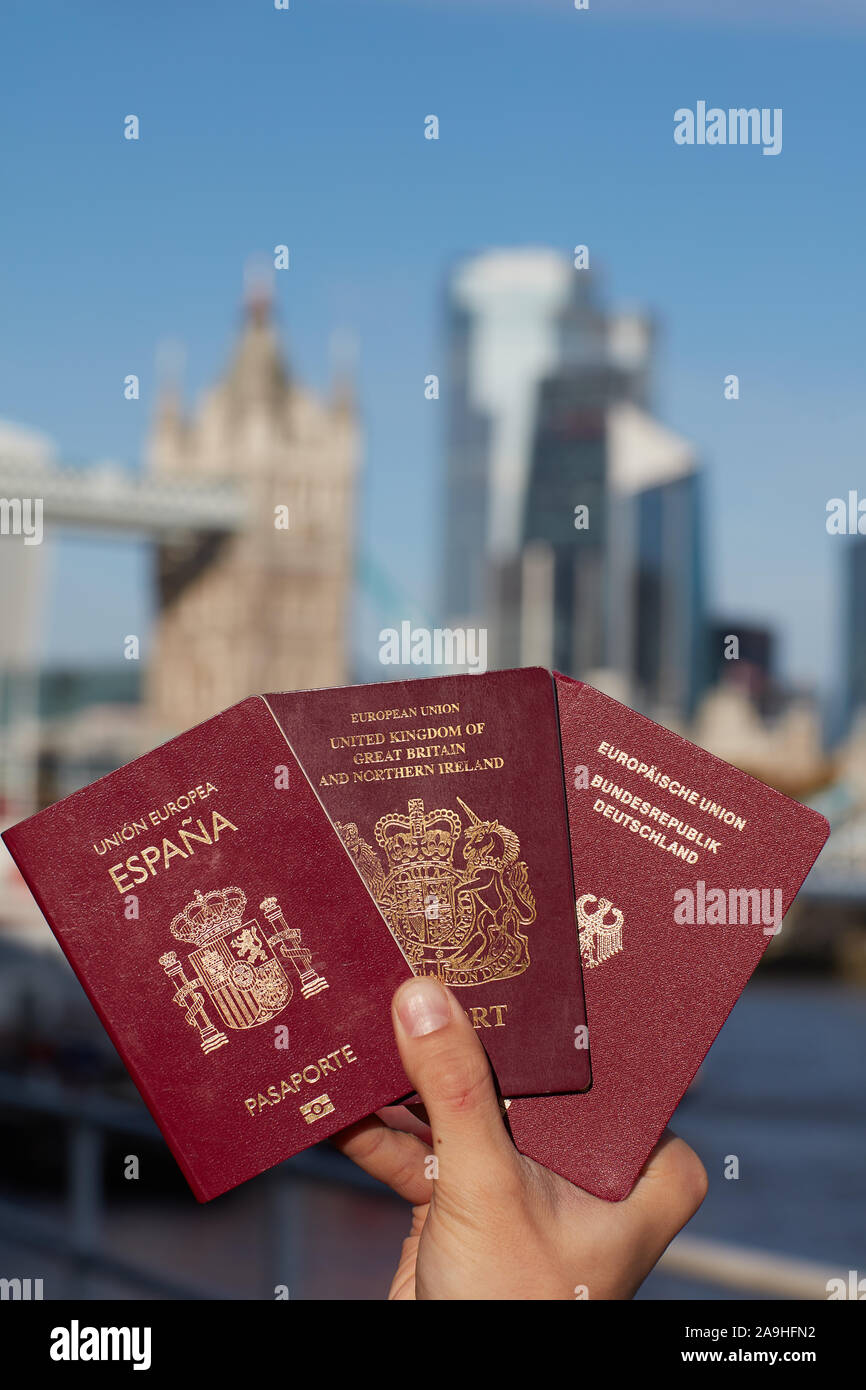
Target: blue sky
x: 306, y: 127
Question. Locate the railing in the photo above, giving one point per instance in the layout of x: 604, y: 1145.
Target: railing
x: 753, y: 1271
x: 88, y: 1119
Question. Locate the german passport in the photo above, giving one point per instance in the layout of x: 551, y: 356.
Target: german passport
x: 683, y: 867
x: 449, y: 795
x: 235, y: 957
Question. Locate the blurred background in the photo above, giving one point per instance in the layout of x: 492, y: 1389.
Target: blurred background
x: 433, y: 342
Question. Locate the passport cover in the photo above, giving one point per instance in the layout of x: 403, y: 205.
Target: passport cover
x: 661, y: 833
x: 238, y: 963
x: 448, y: 792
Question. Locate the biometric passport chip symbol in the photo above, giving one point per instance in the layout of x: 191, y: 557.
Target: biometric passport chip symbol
x: 236, y: 966
x: 599, y: 940
x: 459, y: 922
x: 318, y: 1108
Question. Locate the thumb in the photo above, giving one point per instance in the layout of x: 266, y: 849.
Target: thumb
x: 449, y: 1069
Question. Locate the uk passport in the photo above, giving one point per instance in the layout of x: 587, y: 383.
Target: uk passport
x: 448, y: 793
x: 684, y: 868
x: 236, y: 959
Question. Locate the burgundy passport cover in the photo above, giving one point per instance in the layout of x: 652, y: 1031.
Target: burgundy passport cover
x: 448, y: 793
x: 224, y: 938
x: 660, y: 835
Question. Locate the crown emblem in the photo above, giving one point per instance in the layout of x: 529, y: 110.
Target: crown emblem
x: 454, y: 892
x: 599, y: 940
x: 209, y: 915
x: 424, y: 836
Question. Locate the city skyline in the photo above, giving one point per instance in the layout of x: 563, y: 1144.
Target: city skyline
x: 402, y: 212
x: 574, y: 522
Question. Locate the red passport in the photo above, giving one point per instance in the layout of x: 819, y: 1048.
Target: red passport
x: 448, y: 793
x: 237, y: 961
x: 683, y: 868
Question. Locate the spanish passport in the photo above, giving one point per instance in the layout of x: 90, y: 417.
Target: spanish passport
x: 684, y: 868
x: 235, y: 957
x: 449, y: 795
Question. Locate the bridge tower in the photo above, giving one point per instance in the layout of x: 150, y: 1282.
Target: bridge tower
x: 260, y: 607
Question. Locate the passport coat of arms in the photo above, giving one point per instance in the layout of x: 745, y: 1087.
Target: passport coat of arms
x: 460, y: 921
x: 237, y: 966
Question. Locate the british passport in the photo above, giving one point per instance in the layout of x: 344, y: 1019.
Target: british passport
x: 448, y: 793
x: 236, y: 959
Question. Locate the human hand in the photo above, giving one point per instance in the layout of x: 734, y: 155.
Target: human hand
x: 487, y: 1222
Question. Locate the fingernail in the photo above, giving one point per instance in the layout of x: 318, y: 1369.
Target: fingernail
x: 423, y: 1006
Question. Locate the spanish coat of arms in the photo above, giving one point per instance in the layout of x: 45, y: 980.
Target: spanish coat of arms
x: 239, y: 967
x: 460, y: 921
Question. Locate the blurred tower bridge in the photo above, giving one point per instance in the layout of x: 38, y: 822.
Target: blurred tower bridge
x: 180, y: 515
x: 242, y: 603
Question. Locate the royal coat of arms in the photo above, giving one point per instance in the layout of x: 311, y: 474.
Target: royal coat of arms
x: 237, y: 966
x: 455, y: 897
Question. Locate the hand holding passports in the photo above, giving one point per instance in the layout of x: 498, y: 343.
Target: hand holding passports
x: 237, y: 955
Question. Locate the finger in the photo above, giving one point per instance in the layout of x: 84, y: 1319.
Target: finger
x: 671, y: 1187
x: 392, y: 1156
x: 402, y: 1117
x: 449, y: 1069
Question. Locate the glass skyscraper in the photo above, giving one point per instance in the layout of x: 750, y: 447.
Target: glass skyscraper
x: 574, y: 516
